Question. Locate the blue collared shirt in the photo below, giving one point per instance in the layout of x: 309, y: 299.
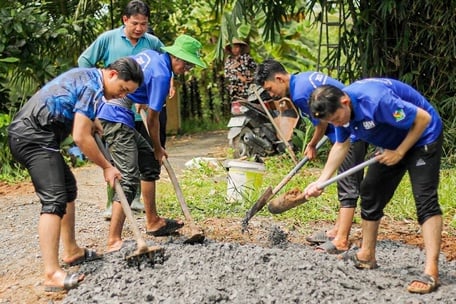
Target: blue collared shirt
x: 384, y: 110
x: 301, y: 87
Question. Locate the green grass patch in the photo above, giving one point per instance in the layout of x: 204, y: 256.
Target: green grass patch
x: 205, y: 190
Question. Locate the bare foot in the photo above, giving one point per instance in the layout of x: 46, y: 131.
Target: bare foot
x: 74, y: 255
x: 115, y: 246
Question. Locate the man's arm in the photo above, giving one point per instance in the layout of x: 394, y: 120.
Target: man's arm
x: 319, y: 132
x: 153, y: 125
x: 392, y: 157
x: 335, y: 158
x: 82, y: 136
x: 92, y: 55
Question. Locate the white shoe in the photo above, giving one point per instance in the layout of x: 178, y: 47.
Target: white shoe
x: 136, y: 205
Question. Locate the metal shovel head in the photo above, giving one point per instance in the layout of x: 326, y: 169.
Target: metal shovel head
x: 264, y: 198
x: 287, y: 201
x: 197, y: 238
x: 148, y: 255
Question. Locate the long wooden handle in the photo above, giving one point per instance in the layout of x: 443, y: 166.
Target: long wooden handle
x: 142, y: 246
x: 172, y: 176
x: 298, y: 167
x: 348, y: 172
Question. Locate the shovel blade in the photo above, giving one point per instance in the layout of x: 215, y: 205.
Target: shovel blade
x: 286, y: 202
x: 197, y: 238
x: 260, y: 203
x: 151, y: 255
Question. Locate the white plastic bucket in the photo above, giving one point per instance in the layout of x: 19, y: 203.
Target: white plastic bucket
x: 243, y: 178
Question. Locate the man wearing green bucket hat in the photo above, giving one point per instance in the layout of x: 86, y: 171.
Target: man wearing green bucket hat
x: 139, y: 158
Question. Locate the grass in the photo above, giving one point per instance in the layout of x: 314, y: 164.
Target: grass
x: 205, y: 191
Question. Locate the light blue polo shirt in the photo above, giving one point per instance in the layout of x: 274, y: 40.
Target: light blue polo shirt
x: 112, y: 45
x: 153, y: 92
x: 301, y: 87
x: 384, y: 111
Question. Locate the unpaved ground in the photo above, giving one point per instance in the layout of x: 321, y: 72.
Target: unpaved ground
x: 271, y: 264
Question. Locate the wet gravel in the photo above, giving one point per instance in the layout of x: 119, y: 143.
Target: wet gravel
x: 282, y: 272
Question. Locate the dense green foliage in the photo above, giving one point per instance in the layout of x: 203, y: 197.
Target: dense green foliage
x: 406, y: 40
x: 411, y: 41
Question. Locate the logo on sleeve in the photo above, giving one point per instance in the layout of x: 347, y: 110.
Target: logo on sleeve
x: 368, y: 124
x: 399, y: 115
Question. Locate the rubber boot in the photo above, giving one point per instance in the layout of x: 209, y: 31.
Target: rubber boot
x: 137, y: 205
x: 108, y: 212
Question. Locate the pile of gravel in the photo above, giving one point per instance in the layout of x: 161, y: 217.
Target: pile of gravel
x: 280, y: 273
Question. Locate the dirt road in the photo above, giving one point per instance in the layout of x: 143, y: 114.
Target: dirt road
x: 271, y: 265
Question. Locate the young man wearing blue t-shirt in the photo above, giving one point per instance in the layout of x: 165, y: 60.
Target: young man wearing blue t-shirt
x: 131, y: 152
x: 66, y: 105
x: 395, y: 117
x: 273, y: 77
x: 129, y: 39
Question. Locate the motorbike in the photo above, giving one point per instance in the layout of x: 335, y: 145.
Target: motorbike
x: 253, y: 132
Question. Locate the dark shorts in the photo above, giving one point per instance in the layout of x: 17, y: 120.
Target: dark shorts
x: 54, y: 183
x: 132, y: 155
x: 381, y: 181
x: 348, y: 187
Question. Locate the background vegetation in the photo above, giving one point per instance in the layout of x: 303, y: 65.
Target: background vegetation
x: 409, y: 40
x: 405, y: 40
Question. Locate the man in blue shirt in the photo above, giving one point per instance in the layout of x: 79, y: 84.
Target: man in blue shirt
x: 131, y: 152
x: 65, y: 105
x: 131, y: 38
x: 273, y: 77
x: 391, y: 115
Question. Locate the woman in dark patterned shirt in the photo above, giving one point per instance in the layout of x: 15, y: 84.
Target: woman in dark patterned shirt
x: 239, y: 69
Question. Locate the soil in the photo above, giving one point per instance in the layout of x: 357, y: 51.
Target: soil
x: 272, y: 263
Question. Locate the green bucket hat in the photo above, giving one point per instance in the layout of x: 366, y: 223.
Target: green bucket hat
x: 187, y: 49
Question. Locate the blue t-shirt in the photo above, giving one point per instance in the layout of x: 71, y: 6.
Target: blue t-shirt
x: 384, y: 111
x: 301, y: 87
x: 48, y: 116
x: 153, y: 92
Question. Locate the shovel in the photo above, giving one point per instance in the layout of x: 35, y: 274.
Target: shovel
x: 197, y: 235
x: 287, y: 201
x: 143, y: 250
x: 269, y: 193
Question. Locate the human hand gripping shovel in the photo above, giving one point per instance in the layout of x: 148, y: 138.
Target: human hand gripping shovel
x: 143, y: 250
x: 197, y: 235
x: 295, y: 198
x: 269, y: 193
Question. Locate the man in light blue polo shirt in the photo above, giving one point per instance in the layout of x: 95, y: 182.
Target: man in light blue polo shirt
x: 394, y: 116
x: 129, y: 39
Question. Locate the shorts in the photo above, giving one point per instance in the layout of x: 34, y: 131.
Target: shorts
x: 133, y: 156
x: 54, y: 183
x: 381, y: 181
x: 348, y: 187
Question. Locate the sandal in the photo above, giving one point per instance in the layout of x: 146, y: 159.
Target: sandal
x: 71, y: 281
x: 426, y: 279
x: 359, y: 264
x: 171, y: 227
x: 319, y: 237
x: 89, y: 256
x: 329, y: 248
